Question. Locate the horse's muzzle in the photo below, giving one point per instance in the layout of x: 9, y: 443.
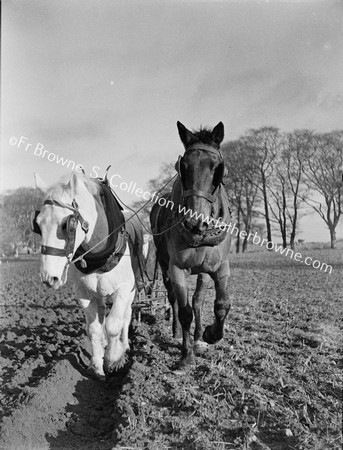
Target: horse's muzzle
x: 51, y: 281
x: 196, y: 226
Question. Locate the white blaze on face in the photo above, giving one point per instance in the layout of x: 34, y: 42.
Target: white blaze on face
x: 52, y: 267
x: 54, y: 271
x: 52, y: 222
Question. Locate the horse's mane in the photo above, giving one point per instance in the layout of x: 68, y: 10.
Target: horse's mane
x: 203, y: 135
x: 62, y: 191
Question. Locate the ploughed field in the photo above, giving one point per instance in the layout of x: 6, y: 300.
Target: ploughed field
x: 274, y: 382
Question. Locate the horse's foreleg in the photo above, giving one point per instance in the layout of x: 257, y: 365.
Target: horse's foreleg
x: 125, y: 331
x: 197, y: 302
x: 117, y: 324
x: 178, y: 280
x: 215, y: 332
x: 94, y: 311
x: 173, y: 302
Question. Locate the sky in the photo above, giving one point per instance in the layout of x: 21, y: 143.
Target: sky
x: 102, y: 82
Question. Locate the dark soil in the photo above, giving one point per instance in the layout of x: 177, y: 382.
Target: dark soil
x: 274, y: 382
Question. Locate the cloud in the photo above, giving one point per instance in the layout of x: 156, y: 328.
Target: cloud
x: 108, y: 80
x: 83, y: 130
x: 294, y: 90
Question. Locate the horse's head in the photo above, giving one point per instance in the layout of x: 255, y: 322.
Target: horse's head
x: 201, y: 170
x: 63, y: 226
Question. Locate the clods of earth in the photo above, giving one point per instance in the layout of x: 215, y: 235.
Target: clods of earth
x: 273, y: 383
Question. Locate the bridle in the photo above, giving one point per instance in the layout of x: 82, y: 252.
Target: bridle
x: 71, y: 226
x: 198, y: 192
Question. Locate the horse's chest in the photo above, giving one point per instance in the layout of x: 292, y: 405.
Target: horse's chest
x: 198, y: 260
x: 104, y: 285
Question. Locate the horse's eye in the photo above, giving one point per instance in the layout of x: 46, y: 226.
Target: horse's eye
x: 183, y: 169
x: 71, y: 225
x: 64, y: 226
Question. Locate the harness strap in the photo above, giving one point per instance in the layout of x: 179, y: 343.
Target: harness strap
x: 73, y: 207
x: 205, y: 148
x: 199, y: 193
x: 52, y: 202
x: 54, y: 251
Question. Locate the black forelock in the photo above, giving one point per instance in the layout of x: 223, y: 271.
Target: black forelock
x: 203, y: 135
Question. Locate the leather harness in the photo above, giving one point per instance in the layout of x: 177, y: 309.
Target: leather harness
x: 212, y: 236
x: 197, y: 192
x: 102, y: 261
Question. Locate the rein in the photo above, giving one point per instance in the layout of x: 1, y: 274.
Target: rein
x: 68, y: 251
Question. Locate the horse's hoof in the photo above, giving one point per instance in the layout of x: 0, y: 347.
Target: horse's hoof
x: 211, y: 338
x: 200, y: 346
x: 186, y: 363
x: 110, y: 367
x: 95, y: 373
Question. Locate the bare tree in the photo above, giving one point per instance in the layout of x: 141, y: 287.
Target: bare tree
x: 278, y: 194
x: 288, y: 190
x: 323, y: 176
x: 264, y: 143
x: 294, y: 156
x: 241, y: 186
x: 16, y: 208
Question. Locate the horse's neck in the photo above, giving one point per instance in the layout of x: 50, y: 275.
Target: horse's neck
x: 100, y: 231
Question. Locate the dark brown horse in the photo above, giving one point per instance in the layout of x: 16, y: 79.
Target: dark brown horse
x: 189, y: 241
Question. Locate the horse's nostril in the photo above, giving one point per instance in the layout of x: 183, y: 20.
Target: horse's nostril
x: 54, y: 279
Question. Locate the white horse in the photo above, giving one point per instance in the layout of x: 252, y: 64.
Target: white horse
x: 74, y: 220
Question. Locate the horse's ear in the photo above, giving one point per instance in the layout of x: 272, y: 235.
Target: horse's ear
x: 74, y: 182
x: 40, y: 183
x: 186, y: 136
x: 77, y: 182
x: 218, y: 133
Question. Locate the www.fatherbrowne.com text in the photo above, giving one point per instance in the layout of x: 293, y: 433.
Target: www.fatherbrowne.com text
x: 131, y: 187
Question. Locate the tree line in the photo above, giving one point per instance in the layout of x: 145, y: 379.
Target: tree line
x: 16, y: 208
x: 274, y: 178
x: 278, y: 176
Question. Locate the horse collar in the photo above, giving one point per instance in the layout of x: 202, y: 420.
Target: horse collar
x: 105, y: 260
